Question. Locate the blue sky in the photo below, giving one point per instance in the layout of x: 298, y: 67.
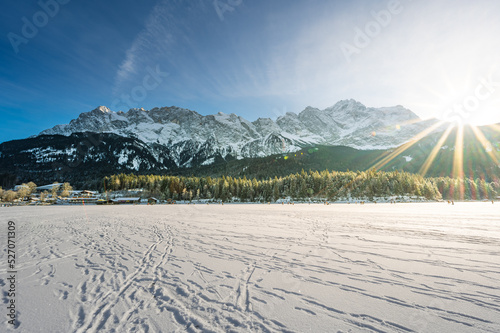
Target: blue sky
x: 257, y: 58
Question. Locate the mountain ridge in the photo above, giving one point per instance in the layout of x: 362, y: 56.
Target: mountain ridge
x: 348, y: 123
x: 85, y: 158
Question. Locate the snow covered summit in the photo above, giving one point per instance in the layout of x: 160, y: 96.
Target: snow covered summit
x: 181, y: 131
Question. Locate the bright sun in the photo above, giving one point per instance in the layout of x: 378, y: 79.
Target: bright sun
x: 460, y: 104
x: 475, y: 102
x: 479, y: 117
x: 462, y: 95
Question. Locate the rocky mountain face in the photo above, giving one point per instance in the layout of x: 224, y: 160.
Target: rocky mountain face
x: 101, y: 142
x: 187, y: 138
x: 77, y: 157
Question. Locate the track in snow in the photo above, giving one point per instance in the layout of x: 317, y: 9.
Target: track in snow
x: 258, y: 268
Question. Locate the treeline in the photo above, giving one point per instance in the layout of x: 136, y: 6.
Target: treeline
x: 304, y: 185
x: 466, y: 188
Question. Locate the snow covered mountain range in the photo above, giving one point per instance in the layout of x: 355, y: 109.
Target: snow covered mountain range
x: 185, y: 138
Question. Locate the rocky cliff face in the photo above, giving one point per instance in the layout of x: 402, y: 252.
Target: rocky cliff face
x: 188, y: 137
x: 101, y: 142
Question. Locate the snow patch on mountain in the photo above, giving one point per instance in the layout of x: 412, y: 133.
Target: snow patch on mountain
x: 185, y: 136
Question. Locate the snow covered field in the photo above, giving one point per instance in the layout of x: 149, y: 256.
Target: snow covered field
x: 428, y: 267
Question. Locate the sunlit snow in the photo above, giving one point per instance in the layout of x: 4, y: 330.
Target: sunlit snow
x: 416, y: 267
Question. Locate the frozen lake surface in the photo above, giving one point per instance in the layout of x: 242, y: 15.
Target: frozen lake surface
x: 428, y: 267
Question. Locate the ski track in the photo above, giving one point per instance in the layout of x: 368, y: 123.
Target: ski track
x: 262, y: 268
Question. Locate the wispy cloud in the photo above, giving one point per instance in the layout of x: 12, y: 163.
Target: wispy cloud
x: 152, y: 41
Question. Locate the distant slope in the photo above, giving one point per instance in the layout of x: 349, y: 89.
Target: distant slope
x: 182, y: 131
x: 319, y: 157
x: 79, y: 158
x: 84, y: 158
x: 478, y: 161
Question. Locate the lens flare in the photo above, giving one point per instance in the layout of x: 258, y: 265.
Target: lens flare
x: 488, y: 147
x: 458, y: 160
x: 428, y: 162
x: 380, y: 164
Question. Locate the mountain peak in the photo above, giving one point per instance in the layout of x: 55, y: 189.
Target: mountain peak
x: 348, y: 104
x: 101, y: 109
x: 132, y: 110
x: 183, y: 132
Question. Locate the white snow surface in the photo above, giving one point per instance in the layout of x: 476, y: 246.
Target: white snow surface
x: 420, y: 267
x: 209, y: 161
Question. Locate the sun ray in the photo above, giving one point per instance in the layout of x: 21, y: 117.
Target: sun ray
x: 495, y: 127
x: 425, y: 167
x: 406, y: 146
x: 406, y: 123
x: 488, y: 147
x: 412, y: 121
x: 458, y: 159
x: 402, y: 124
